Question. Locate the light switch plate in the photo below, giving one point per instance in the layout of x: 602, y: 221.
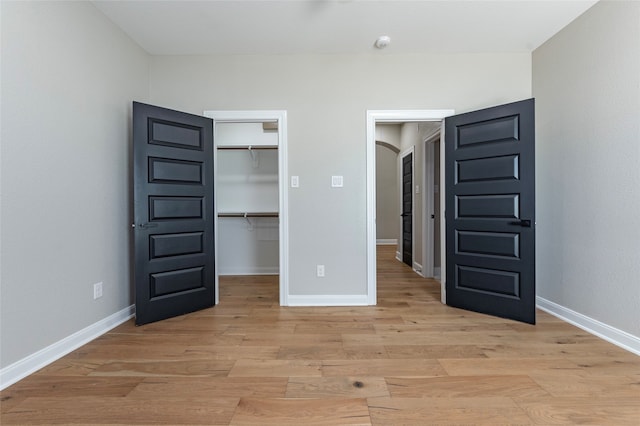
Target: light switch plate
x: 295, y: 181
x: 337, y: 181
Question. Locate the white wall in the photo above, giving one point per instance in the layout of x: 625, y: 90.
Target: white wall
x: 586, y: 81
x: 68, y: 79
x: 247, y: 182
x: 387, y: 198
x: 387, y: 207
x: 388, y: 133
x: 328, y: 225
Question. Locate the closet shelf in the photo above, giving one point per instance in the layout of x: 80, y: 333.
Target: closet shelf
x: 249, y: 147
x: 250, y: 214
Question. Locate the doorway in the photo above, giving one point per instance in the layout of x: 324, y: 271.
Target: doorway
x: 253, y: 208
x: 373, y: 118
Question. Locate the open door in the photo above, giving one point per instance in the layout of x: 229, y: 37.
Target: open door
x: 407, y: 209
x: 173, y: 212
x: 490, y: 211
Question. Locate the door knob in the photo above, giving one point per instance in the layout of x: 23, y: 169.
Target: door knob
x: 525, y: 223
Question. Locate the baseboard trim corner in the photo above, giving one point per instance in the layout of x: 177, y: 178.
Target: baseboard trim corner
x: 34, y: 362
x: 417, y: 268
x: 604, y: 331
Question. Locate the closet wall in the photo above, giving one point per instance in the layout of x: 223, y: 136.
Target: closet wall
x: 247, y: 198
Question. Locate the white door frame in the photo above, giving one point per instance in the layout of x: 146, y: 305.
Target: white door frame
x: 428, y: 205
x: 393, y: 116
x: 280, y: 116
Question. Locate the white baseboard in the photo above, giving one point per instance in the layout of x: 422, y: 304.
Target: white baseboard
x: 417, y: 268
x: 399, y: 256
x: 328, y: 300
x: 265, y: 270
x: 34, y: 362
x: 387, y: 242
x: 619, y: 338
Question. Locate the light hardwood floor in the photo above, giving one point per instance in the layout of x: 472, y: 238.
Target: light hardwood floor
x: 409, y: 360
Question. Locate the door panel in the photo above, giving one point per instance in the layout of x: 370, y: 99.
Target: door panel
x: 173, y: 212
x: 491, y: 206
x: 162, y: 170
x: 407, y: 209
x: 176, y: 244
x: 490, y: 211
x: 488, y: 244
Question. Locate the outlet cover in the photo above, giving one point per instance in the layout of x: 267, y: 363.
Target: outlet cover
x: 320, y: 270
x: 97, y: 291
x: 337, y: 181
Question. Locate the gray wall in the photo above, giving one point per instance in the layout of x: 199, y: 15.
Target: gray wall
x: 586, y: 81
x: 328, y: 225
x: 68, y: 79
x: 387, y: 186
x: 387, y: 207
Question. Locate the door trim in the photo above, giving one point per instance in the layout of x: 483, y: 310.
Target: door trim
x: 388, y: 116
x: 428, y: 204
x: 280, y: 116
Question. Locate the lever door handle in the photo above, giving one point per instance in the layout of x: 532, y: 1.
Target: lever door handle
x: 525, y: 223
x: 147, y: 225
x: 405, y: 214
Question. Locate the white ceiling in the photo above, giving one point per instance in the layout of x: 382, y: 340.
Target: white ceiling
x: 176, y: 27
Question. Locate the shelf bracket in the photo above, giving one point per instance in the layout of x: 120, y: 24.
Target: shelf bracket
x: 250, y: 224
x: 255, y: 159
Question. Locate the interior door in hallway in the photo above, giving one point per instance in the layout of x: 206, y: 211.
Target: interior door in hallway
x: 490, y: 211
x: 173, y: 212
x: 407, y: 209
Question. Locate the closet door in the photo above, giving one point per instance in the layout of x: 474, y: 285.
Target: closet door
x: 173, y: 212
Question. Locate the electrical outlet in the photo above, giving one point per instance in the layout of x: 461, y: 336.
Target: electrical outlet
x: 320, y: 270
x: 97, y: 290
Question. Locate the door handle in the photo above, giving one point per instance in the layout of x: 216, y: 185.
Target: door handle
x: 147, y: 225
x: 525, y: 223
x: 405, y: 214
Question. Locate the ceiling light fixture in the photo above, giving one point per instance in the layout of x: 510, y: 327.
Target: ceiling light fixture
x: 382, y: 42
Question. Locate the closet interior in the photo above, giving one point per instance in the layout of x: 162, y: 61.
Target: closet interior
x: 247, y: 198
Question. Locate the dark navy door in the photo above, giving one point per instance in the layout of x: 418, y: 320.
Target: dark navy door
x: 173, y: 212
x: 407, y: 209
x: 490, y: 211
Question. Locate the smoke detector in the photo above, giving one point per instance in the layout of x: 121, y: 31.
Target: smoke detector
x: 382, y: 42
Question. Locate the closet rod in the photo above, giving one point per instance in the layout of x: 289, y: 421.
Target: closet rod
x: 249, y: 147
x: 248, y: 215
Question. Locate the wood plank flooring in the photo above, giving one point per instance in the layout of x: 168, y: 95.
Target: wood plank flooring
x: 407, y: 361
